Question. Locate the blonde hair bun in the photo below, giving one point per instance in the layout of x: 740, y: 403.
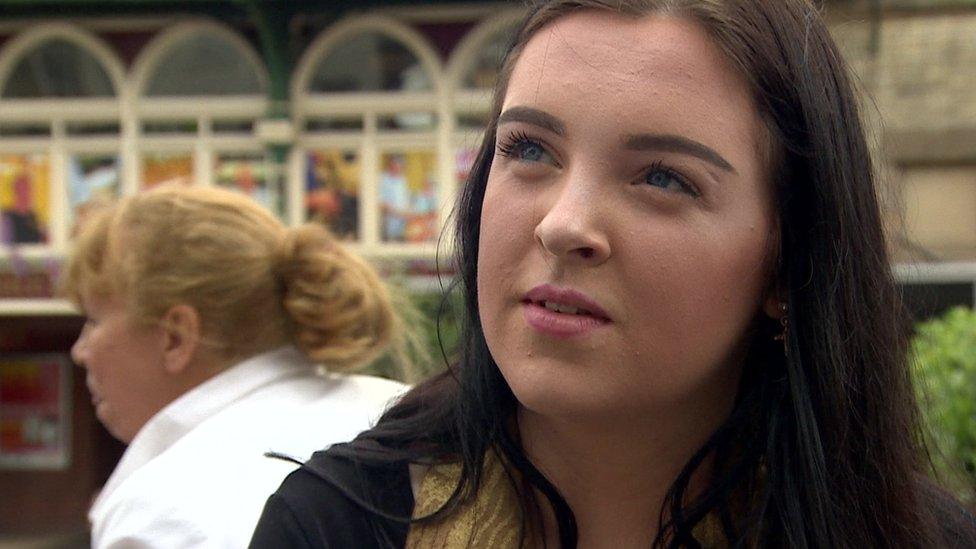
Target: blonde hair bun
x: 341, y: 311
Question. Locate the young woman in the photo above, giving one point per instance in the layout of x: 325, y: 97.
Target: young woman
x: 682, y: 328
x: 207, y: 320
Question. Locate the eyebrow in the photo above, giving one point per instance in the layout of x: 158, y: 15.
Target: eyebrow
x: 676, y: 144
x: 637, y: 142
x: 534, y: 117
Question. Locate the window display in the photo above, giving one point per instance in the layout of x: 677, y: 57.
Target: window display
x: 93, y: 180
x: 250, y: 174
x: 25, y: 200
x: 407, y: 197
x: 34, y: 411
x: 332, y: 191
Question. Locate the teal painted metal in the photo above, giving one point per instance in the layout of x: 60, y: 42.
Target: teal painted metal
x: 271, y: 21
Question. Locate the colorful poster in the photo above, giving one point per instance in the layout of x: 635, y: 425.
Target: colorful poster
x: 35, y: 413
x: 249, y: 174
x: 332, y: 191
x: 407, y: 196
x: 25, y: 199
x: 166, y: 168
x: 93, y: 181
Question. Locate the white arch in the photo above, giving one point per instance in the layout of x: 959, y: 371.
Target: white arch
x: 354, y: 25
x: 469, y: 47
x: 150, y: 57
x: 35, y: 36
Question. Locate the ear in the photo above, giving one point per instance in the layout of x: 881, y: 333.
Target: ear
x: 181, y: 334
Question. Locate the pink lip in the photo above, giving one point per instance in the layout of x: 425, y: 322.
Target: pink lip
x: 562, y: 325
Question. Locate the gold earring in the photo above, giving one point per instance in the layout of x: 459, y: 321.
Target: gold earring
x: 784, y: 322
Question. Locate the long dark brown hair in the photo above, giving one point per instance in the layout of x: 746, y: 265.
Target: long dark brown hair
x: 823, y: 446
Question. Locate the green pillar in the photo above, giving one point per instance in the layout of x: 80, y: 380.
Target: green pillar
x: 271, y: 20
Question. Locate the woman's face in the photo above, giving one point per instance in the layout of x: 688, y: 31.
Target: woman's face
x: 627, y: 224
x: 124, y: 365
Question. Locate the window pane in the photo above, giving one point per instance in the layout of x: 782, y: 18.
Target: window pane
x: 484, y: 71
x: 334, y: 124
x: 29, y: 129
x: 25, y: 199
x: 58, y: 68
x: 332, y: 191
x: 83, y: 129
x: 370, y: 62
x: 169, y: 127
x: 244, y: 127
x: 93, y: 180
x: 407, y: 197
x: 472, y: 122
x: 407, y: 121
x: 172, y: 168
x: 251, y: 175
x: 204, y: 64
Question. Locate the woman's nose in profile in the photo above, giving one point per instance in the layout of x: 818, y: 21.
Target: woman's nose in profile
x: 79, y: 348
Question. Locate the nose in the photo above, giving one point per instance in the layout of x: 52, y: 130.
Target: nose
x: 572, y: 229
x: 78, y: 349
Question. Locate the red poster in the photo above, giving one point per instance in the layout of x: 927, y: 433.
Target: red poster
x: 34, y: 411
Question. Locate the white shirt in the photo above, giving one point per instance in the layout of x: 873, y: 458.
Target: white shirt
x: 195, y: 474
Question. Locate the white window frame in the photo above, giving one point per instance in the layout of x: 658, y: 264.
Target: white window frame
x: 203, y: 110
x: 58, y: 113
x: 371, y: 142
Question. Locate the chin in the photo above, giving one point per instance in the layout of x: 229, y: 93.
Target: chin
x: 560, y: 394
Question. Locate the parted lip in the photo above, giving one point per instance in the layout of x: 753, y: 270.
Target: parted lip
x: 565, y: 296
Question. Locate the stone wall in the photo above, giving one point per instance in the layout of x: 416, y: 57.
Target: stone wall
x: 917, y: 70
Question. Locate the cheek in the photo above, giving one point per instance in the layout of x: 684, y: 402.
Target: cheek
x: 506, y: 233
x: 701, y: 293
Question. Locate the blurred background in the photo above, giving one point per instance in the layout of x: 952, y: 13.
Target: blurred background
x: 366, y: 116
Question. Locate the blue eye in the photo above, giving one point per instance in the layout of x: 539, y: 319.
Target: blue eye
x: 530, y: 152
x: 665, y: 178
x: 520, y: 147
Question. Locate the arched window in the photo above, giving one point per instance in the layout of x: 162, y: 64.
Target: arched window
x: 370, y: 62
x: 201, y: 88
x: 57, y: 68
x: 371, y: 155
x: 205, y: 64
x: 481, y: 71
x: 59, y: 134
x: 472, y: 72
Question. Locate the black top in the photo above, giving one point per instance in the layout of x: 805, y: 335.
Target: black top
x: 315, y: 507
x: 321, y: 505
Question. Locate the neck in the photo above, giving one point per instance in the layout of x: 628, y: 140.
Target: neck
x: 614, y: 475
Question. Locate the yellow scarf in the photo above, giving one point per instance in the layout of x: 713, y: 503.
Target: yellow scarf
x: 493, y: 518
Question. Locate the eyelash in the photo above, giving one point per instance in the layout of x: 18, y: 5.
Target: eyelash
x: 510, y: 144
x: 672, y: 173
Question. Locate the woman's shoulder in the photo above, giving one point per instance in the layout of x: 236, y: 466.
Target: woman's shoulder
x: 336, y: 501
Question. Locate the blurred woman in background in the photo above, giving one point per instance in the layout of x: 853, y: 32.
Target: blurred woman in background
x: 208, y: 322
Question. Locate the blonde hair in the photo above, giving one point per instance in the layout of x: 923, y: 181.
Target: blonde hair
x: 255, y: 283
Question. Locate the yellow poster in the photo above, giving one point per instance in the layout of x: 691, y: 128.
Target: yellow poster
x: 25, y: 198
